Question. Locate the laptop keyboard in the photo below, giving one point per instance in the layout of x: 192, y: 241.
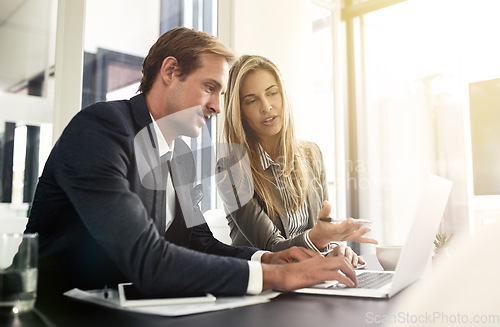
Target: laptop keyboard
x: 366, y: 280
x: 373, y: 280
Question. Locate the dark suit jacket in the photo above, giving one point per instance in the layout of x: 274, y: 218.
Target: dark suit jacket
x: 99, y: 225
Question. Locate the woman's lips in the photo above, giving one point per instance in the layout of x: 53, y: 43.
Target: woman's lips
x: 269, y: 121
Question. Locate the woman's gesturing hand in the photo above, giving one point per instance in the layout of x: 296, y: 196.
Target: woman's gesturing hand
x: 349, y: 230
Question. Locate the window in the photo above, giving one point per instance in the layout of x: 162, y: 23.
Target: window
x: 410, y: 67
x: 322, y: 95
x: 26, y: 98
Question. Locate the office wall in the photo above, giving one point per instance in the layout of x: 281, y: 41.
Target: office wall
x: 280, y: 30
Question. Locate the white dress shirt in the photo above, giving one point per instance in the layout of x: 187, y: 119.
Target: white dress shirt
x: 255, y: 276
x: 163, y: 148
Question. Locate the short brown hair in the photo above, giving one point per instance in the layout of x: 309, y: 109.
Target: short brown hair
x: 184, y: 44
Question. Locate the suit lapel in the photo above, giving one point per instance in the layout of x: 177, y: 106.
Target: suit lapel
x: 314, y: 198
x: 148, y: 161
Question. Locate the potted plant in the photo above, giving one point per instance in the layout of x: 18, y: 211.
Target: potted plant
x: 441, y: 243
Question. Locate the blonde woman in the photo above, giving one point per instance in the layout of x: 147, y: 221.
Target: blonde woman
x: 288, y: 176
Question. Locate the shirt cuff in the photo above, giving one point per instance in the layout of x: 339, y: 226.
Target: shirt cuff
x: 257, y: 256
x: 327, y: 249
x: 255, y: 279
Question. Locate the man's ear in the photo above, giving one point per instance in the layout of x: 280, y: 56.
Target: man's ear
x: 168, y: 69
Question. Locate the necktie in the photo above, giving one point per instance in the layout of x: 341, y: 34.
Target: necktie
x: 169, y: 187
x: 165, y: 169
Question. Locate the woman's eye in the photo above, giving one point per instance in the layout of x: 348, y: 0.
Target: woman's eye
x: 210, y: 88
x: 249, y: 101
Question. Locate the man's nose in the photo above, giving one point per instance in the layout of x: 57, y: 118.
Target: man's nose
x: 215, y: 105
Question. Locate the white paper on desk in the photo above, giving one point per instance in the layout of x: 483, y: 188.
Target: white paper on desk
x: 221, y: 303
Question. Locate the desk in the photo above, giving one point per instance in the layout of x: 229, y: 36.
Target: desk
x: 287, y: 310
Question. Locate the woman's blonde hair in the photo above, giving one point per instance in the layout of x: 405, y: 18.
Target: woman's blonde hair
x: 290, y: 156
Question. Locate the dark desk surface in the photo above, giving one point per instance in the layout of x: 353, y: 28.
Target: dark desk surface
x: 288, y: 309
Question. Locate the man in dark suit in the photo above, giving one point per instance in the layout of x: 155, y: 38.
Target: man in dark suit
x: 105, y: 213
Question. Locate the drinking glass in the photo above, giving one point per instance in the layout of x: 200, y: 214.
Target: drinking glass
x: 18, y: 272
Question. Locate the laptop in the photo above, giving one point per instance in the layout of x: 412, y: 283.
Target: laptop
x: 414, y: 255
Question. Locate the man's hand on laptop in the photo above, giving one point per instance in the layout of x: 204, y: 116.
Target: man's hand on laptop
x: 309, y: 272
x: 293, y: 254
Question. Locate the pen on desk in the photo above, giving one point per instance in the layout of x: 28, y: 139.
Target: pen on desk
x: 105, y: 293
